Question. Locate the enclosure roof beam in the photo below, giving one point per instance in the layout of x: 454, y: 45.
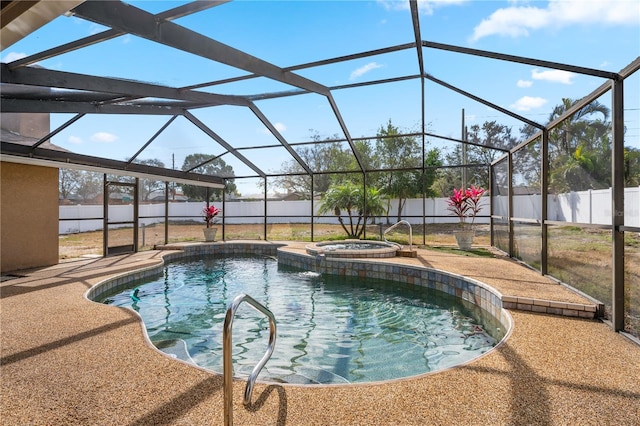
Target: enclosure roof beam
x: 274, y: 95
x: 416, y: 32
x: 53, y: 107
x: 586, y: 100
x: 63, y: 159
x: 213, y: 135
x: 581, y: 103
x: 204, y: 163
x: 336, y: 111
x: 136, y: 21
x: 65, y: 48
x: 31, y: 76
x: 58, y: 130
x: 631, y: 68
x: 522, y: 60
x: 447, y: 138
x: 164, y: 126
x: 400, y: 135
x: 484, y: 102
x: 310, y: 65
x: 279, y: 136
x: 177, y: 12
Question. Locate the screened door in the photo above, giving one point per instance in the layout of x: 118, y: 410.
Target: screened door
x: 120, y: 216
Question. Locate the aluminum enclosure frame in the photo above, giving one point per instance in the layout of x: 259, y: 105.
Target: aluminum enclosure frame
x: 28, y: 89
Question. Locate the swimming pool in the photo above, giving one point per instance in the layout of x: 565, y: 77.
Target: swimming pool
x: 331, y: 329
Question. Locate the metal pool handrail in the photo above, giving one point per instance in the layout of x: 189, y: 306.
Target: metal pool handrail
x: 396, y: 224
x: 226, y: 354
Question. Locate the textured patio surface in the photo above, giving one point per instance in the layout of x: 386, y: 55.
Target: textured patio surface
x: 69, y: 361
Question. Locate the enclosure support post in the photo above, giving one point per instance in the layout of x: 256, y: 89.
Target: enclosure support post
x: 224, y: 199
x: 264, y: 217
x: 364, y: 207
x: 105, y: 215
x: 463, y: 136
x: 617, y: 204
x: 544, y: 199
x: 166, y: 212
x: 424, y: 147
x: 136, y: 215
x: 492, y: 194
x: 510, y: 203
x: 312, y: 208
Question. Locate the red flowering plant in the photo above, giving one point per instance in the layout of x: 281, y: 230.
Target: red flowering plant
x: 210, y: 214
x: 465, y: 203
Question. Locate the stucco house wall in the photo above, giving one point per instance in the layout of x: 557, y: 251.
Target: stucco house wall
x: 29, y: 216
x: 28, y: 202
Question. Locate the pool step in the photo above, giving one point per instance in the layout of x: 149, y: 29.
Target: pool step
x: 407, y: 253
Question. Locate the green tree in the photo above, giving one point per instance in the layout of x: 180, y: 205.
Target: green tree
x: 579, y: 147
x: 89, y: 186
x: 358, y: 205
x: 398, y: 152
x: 631, y: 166
x: 432, y: 163
x: 148, y: 186
x: 207, y: 165
x: 322, y: 156
x: 295, y: 179
x: 68, y: 182
x: 584, y: 127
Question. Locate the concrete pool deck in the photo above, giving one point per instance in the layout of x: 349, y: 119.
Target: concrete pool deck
x: 68, y: 361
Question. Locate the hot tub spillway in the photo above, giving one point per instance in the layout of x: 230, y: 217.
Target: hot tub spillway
x: 354, y: 249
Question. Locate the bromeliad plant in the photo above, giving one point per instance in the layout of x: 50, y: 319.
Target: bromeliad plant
x: 210, y: 214
x: 465, y: 203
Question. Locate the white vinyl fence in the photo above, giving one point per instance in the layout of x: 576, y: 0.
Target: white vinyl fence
x: 592, y: 207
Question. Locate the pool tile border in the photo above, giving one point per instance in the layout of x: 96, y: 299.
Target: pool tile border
x: 179, y: 251
x: 466, y: 288
x: 473, y: 291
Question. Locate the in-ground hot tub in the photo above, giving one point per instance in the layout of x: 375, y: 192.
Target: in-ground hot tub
x: 353, y: 249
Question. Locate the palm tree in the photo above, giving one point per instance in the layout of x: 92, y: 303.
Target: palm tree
x: 358, y: 205
x: 579, y: 147
x: 580, y: 127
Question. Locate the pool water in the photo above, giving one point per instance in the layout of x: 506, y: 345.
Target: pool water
x: 353, y: 246
x: 330, y: 329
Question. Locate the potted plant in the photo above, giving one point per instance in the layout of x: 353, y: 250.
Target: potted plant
x: 465, y: 203
x: 210, y: 214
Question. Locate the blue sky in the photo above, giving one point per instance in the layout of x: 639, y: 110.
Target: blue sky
x: 590, y: 33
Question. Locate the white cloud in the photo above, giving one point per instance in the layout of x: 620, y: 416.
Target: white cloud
x: 425, y: 7
x: 103, y: 137
x: 524, y: 83
x: 280, y: 127
x: 511, y: 21
x: 364, y: 69
x: 527, y: 103
x: 518, y: 21
x: 95, y: 29
x: 614, y: 12
x: 556, y: 76
x: 75, y: 140
x: 13, y: 56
